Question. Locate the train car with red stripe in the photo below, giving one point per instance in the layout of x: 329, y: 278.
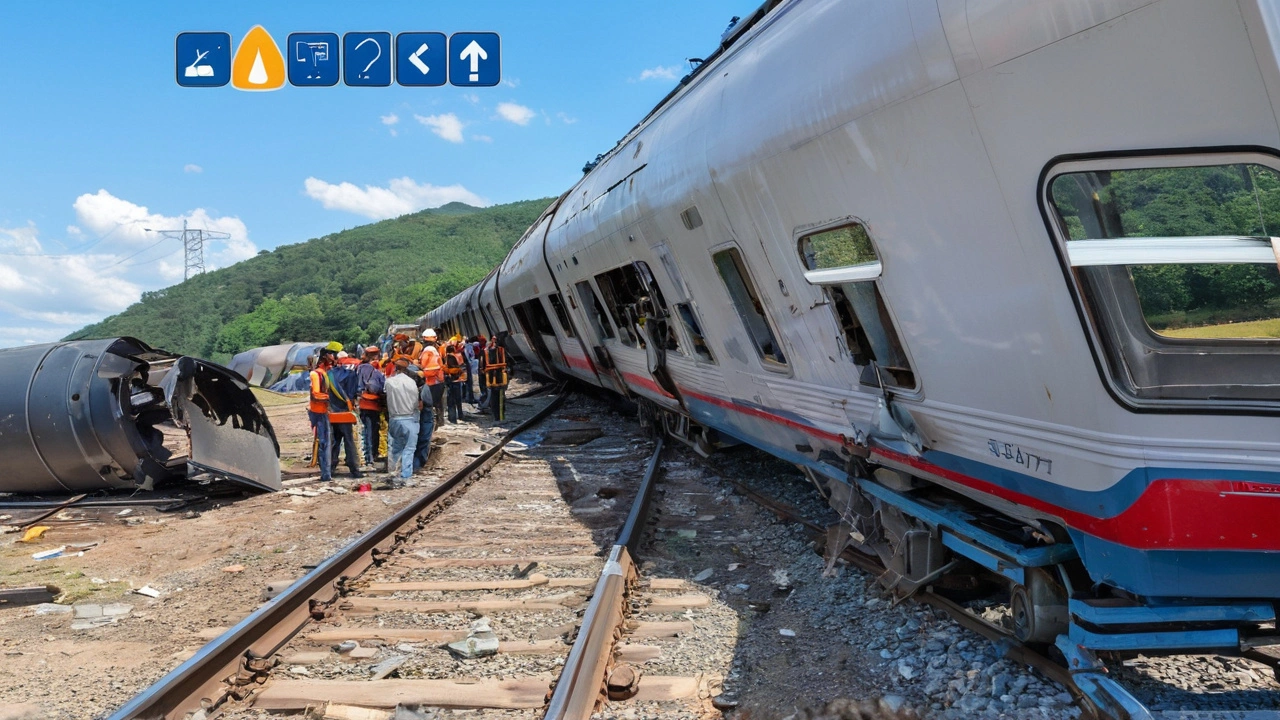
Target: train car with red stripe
x: 1001, y: 277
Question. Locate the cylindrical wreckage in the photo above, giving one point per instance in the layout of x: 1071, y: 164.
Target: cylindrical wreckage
x: 116, y: 413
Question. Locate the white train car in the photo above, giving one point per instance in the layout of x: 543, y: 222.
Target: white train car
x: 946, y: 255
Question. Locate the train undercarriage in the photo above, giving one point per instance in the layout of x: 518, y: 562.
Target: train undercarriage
x: 925, y: 535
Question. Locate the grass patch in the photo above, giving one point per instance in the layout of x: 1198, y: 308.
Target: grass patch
x: 1255, y: 329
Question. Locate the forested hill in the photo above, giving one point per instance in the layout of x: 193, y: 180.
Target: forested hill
x: 348, y: 286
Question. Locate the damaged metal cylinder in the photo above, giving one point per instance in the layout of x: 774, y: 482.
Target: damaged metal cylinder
x: 115, y: 413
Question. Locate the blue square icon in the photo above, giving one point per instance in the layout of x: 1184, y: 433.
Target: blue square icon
x: 366, y: 59
x: 313, y: 59
x: 421, y: 59
x: 475, y: 59
x: 203, y: 59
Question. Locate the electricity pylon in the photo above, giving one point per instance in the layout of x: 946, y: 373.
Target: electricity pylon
x: 193, y: 246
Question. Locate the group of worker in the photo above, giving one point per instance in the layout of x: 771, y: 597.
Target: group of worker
x: 411, y: 389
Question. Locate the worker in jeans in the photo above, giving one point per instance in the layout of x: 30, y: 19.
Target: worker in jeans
x: 402, y: 425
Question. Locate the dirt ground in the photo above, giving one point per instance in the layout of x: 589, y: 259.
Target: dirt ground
x: 210, y: 563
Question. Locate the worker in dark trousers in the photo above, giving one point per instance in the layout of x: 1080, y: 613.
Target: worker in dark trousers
x: 318, y: 413
x: 370, y: 381
x: 495, y: 372
x: 484, y: 390
x: 340, y: 382
x: 455, y: 364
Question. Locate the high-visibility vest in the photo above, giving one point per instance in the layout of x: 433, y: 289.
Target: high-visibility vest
x: 495, y: 366
x: 319, y: 398
x: 429, y: 362
x: 454, y: 365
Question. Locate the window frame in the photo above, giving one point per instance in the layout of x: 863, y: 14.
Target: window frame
x: 744, y: 272
x: 868, y: 272
x: 1059, y: 238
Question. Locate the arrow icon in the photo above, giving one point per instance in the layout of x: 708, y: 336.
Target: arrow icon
x: 475, y: 53
x: 416, y: 59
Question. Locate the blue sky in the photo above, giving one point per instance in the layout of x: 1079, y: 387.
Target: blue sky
x: 98, y: 142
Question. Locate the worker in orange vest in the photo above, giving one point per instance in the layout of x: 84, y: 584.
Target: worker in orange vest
x: 432, y: 396
x: 405, y: 347
x: 455, y: 368
x: 494, y: 369
x: 370, y: 381
x: 318, y: 411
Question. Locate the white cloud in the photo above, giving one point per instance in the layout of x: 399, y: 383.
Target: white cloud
x: 661, y: 72
x: 564, y: 118
x: 391, y: 119
x: 482, y: 138
x: 518, y: 114
x: 192, y: 168
x: 447, y: 126
x: 46, y: 296
x: 401, y: 196
x: 511, y: 82
x: 471, y: 98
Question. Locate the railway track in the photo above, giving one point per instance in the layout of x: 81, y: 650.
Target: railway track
x: 508, y: 592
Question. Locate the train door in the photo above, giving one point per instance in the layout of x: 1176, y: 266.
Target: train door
x: 639, y: 312
x: 598, y: 330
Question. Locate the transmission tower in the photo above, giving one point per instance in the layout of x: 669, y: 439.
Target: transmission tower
x: 193, y: 246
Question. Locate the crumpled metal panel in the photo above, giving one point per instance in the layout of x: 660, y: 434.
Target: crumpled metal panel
x: 229, y: 431
x: 91, y: 414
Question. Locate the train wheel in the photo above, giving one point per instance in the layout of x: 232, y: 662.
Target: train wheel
x: 1039, y: 608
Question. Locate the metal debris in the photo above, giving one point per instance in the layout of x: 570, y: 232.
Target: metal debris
x: 115, y: 413
x: 480, y: 642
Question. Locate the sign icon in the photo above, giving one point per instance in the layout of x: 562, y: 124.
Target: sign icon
x: 258, y: 64
x: 203, y: 59
x: 421, y: 58
x: 475, y: 59
x: 313, y: 59
x: 366, y: 59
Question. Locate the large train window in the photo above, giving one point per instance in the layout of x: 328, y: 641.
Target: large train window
x: 561, y: 314
x: 733, y: 271
x: 843, y: 261
x: 595, y: 311
x: 1175, y: 262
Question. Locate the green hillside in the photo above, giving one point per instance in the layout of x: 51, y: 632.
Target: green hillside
x: 348, y: 286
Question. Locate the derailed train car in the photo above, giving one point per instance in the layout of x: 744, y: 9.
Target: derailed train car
x: 117, y: 414
x: 942, y: 270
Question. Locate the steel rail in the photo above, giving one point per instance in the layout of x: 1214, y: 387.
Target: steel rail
x: 581, y: 683
x: 236, y: 658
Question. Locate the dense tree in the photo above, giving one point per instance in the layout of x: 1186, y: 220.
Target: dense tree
x: 348, y: 286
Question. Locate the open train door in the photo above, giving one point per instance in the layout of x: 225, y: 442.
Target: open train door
x: 594, y: 332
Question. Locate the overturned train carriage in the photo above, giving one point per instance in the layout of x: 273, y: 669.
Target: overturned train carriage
x: 116, y: 414
x: 1000, y: 276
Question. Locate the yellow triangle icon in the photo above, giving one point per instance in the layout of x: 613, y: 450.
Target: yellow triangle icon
x: 258, y: 64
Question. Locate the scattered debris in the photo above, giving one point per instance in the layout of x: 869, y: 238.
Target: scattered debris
x: 33, y: 533
x: 49, y: 608
x: 126, y: 511
x: 275, y: 587
x: 388, y: 666
x: 734, y: 566
x: 10, y: 597
x: 148, y: 591
x: 687, y: 533
x: 787, y: 632
x: 233, y: 569
x: 362, y: 653
x: 91, y: 615
x: 781, y: 580
x: 347, y: 646
x: 623, y: 682
x: 704, y: 575
x: 49, y: 554
x: 480, y: 642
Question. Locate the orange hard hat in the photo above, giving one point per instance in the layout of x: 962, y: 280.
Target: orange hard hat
x: 372, y: 349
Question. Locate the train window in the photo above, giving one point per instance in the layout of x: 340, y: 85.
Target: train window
x: 842, y: 247
x: 595, y: 311
x: 538, y: 316
x: 691, y: 325
x: 733, y: 272
x: 844, y: 262
x: 622, y: 290
x: 1175, y: 262
x: 653, y: 305
x: 561, y: 314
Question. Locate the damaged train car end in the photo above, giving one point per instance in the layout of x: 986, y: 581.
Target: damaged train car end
x: 115, y: 413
